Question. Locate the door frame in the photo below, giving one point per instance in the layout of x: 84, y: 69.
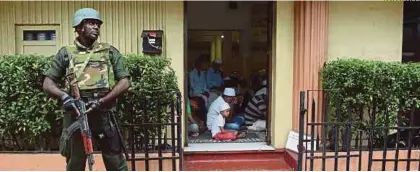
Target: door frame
x: 269, y: 54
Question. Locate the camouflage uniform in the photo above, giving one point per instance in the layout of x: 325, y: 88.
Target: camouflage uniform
x: 105, y: 67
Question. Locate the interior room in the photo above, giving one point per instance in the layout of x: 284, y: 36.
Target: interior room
x: 235, y: 36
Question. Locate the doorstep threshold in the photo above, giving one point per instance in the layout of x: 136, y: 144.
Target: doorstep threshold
x: 216, y: 147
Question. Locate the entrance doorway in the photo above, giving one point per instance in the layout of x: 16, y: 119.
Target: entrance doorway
x: 237, y: 36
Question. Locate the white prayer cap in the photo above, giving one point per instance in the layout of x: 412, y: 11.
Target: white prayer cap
x: 229, y: 92
x: 264, y: 83
x: 224, y: 106
x: 218, y: 61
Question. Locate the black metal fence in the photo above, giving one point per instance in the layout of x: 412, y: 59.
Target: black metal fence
x: 334, y: 135
x: 151, y: 131
x: 154, y: 139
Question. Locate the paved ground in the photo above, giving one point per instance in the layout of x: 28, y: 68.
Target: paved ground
x: 55, y: 162
x: 39, y: 162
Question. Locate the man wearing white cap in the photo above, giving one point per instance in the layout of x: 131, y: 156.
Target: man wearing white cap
x: 227, y: 97
x: 215, y: 75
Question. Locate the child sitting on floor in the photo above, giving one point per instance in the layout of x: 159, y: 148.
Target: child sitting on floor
x: 217, y: 129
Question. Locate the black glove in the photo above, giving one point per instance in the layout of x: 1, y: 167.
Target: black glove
x: 68, y: 103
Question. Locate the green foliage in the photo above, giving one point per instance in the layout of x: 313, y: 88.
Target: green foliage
x: 363, y: 83
x: 27, y: 112
x: 152, y: 89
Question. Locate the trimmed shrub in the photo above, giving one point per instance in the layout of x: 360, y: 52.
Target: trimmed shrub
x: 363, y: 83
x: 27, y: 113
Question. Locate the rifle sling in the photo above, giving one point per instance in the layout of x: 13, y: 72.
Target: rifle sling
x: 72, y: 128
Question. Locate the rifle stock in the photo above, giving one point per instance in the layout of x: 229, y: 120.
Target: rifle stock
x: 84, y: 127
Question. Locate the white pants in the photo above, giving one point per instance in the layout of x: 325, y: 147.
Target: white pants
x: 259, y: 125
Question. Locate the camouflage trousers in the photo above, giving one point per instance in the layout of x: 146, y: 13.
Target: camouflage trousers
x: 103, y: 132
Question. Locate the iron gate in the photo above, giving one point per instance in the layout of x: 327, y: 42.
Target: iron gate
x: 334, y: 135
x: 153, y: 134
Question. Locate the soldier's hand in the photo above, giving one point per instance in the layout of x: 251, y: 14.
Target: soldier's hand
x: 68, y: 102
x: 94, y: 105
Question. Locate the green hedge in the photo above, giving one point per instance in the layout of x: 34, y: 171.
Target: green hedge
x: 27, y: 112
x: 359, y: 83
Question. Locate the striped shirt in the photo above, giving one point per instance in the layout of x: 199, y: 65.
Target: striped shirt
x: 256, y: 109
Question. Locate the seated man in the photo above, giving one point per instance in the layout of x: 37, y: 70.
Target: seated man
x: 263, y: 88
x: 198, y: 83
x: 255, y: 112
x: 194, y: 125
x: 214, y: 81
x: 218, y: 125
x: 227, y: 97
x: 215, y: 76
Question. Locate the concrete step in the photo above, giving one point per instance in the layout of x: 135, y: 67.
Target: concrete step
x: 236, y: 161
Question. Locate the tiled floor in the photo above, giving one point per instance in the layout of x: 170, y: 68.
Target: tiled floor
x: 251, y: 137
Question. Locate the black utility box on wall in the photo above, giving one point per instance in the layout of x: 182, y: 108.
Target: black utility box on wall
x: 152, y: 41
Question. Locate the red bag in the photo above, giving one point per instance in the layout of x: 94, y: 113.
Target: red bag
x: 225, y: 136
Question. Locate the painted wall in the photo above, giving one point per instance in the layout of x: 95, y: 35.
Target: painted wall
x: 282, y: 74
x: 368, y: 30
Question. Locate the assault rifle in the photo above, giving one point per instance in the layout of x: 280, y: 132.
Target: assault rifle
x: 82, y: 119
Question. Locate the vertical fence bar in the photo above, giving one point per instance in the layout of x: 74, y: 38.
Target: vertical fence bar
x: 360, y: 138
x: 306, y: 131
x: 173, y: 135
x: 301, y: 132
x: 312, y: 135
x: 336, y: 135
x: 146, y: 150
x: 372, y: 128
x: 397, y: 144
x: 325, y: 129
x: 179, y: 125
x: 132, y: 144
x: 417, y: 131
x: 348, y: 137
x: 410, y: 137
x: 159, y: 133
x: 385, y: 146
x: 160, y: 147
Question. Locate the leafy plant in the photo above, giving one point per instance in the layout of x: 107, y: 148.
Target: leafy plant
x: 371, y: 84
x: 27, y: 112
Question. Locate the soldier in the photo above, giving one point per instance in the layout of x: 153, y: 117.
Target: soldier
x: 99, y: 71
